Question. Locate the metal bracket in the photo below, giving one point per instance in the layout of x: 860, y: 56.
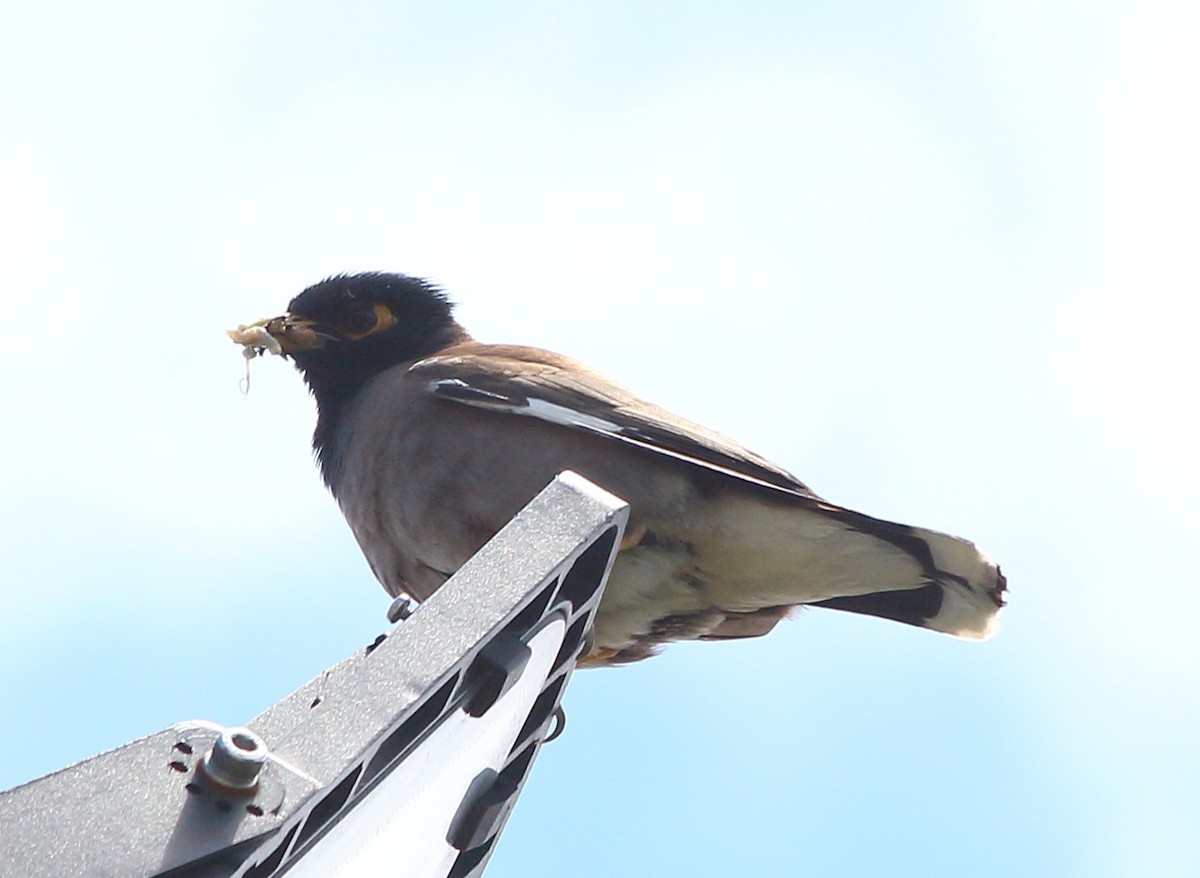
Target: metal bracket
x: 411, y: 752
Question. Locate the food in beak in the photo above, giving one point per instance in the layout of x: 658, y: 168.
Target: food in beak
x: 255, y: 339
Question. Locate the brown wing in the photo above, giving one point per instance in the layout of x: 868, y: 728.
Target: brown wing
x: 540, y: 384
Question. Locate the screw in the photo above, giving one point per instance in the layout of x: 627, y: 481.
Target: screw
x: 236, y: 759
x: 401, y: 608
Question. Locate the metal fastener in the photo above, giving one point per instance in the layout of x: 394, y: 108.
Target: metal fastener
x: 235, y: 760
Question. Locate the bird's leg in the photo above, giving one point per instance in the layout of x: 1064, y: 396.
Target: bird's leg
x: 633, y: 537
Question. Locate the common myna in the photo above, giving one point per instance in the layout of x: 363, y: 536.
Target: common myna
x: 431, y: 442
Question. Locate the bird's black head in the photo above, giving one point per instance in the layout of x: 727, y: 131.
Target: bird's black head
x: 347, y: 329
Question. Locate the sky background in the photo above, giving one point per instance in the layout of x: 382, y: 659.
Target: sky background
x: 938, y: 259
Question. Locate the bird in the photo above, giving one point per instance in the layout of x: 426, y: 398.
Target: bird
x: 430, y: 441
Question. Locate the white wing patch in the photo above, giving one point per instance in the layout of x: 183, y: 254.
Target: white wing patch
x: 529, y: 406
x: 568, y: 417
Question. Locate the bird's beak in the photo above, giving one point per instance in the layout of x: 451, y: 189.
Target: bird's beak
x: 286, y: 334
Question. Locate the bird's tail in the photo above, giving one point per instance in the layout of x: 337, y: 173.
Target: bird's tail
x: 804, y: 550
x: 961, y: 593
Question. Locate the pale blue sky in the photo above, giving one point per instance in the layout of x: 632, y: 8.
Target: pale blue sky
x: 938, y: 259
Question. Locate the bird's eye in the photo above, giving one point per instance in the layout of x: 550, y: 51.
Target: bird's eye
x: 360, y: 322
x: 366, y: 321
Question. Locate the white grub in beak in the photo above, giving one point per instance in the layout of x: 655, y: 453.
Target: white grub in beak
x: 255, y: 339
